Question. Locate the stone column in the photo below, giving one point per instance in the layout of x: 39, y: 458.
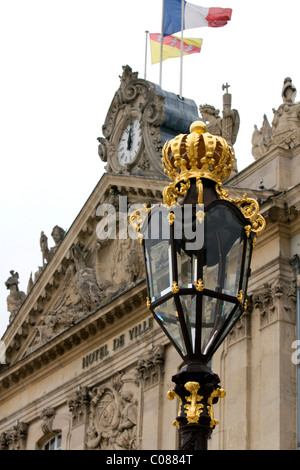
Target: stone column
x: 79, y: 407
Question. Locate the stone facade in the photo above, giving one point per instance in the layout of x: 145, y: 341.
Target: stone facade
x: 87, y: 366
x: 256, y: 362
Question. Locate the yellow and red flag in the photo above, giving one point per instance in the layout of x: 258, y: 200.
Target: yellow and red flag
x: 172, y: 46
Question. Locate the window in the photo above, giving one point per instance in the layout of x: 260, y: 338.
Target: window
x: 54, y: 443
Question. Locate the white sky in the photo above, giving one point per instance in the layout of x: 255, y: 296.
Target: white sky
x: 60, y: 66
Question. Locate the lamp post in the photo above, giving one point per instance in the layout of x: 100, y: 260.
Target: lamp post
x: 197, y: 250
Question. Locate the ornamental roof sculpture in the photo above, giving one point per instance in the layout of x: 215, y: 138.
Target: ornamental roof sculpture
x: 284, y: 131
x: 226, y: 126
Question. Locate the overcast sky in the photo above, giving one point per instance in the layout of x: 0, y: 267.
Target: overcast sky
x: 60, y: 67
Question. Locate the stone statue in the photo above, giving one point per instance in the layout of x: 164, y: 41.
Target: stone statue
x: 44, y: 248
x: 285, y: 129
x: 261, y: 138
x: 57, y: 234
x: 286, y: 121
x: 289, y: 91
x: 213, y: 120
x: 266, y: 131
x: 15, y: 297
x: 227, y: 126
x: 85, y: 280
x: 231, y: 119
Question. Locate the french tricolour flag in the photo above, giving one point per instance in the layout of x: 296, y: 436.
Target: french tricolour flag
x: 194, y: 16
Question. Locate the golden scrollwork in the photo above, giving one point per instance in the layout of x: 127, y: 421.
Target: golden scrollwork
x: 170, y: 396
x: 172, y: 192
x: 217, y: 393
x: 249, y: 208
x: 137, y: 218
x: 240, y: 296
x: 148, y: 302
x: 193, y: 408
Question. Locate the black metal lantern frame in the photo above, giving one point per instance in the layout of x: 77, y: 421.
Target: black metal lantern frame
x: 197, y: 251
x: 197, y: 288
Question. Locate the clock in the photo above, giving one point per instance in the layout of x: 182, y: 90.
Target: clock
x: 129, y: 142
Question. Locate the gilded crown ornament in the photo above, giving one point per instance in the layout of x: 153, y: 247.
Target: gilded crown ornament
x: 195, y: 155
x: 200, y: 155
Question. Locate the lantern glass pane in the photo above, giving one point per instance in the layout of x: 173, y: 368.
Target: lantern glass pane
x: 167, y: 315
x: 224, y: 244
x: 247, y: 264
x: 214, y: 314
x: 233, y: 266
x: 158, y: 253
x: 188, y: 305
x: 159, y: 267
x: 237, y: 313
x: 186, y: 266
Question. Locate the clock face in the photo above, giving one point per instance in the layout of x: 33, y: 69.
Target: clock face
x: 129, y: 142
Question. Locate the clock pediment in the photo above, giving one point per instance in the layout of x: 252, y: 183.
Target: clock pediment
x: 158, y: 116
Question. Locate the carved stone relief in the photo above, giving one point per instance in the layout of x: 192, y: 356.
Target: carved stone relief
x: 276, y: 301
x: 3, y: 441
x: 113, y: 415
x: 47, y: 416
x: 151, y: 366
x: 79, y: 405
x: 15, y: 438
x: 282, y: 214
x: 119, y: 263
x: 91, y: 277
x: 242, y: 328
x: 80, y: 294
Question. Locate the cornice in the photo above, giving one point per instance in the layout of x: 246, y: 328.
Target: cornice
x: 259, y: 164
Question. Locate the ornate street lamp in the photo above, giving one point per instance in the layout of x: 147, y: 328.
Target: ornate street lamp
x: 197, y: 250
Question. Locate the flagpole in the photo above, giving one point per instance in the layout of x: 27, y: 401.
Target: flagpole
x: 161, y: 43
x: 146, y: 48
x: 181, y: 49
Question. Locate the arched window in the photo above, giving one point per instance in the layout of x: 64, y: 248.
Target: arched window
x: 54, y: 443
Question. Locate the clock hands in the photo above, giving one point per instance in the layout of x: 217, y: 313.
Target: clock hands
x: 129, y: 141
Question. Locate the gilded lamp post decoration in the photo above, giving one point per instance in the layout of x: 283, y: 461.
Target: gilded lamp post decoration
x: 197, y: 249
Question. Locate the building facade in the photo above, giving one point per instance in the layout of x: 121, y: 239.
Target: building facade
x: 87, y: 367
